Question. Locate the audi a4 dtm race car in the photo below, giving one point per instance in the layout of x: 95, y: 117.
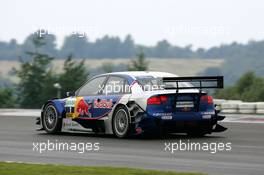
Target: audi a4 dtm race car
x: 125, y: 103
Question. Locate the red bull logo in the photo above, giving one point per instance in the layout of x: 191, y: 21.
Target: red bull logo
x: 83, y: 108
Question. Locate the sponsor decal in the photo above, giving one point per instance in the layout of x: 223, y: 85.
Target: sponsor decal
x: 164, y: 116
x: 208, y: 113
x: 82, y: 108
x: 184, y: 104
x: 103, y: 104
x: 70, y: 102
x: 206, y: 116
x: 69, y: 115
x: 169, y: 117
x: 69, y: 106
x: 68, y: 123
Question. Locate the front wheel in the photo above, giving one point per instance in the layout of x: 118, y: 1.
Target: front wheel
x: 120, y: 122
x: 51, y: 122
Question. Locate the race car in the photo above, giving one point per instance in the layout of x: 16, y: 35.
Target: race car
x: 135, y: 103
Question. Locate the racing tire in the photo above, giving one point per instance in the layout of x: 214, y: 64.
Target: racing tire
x: 50, y: 119
x: 120, y: 122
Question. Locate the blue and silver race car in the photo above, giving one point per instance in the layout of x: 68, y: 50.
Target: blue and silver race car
x: 125, y: 103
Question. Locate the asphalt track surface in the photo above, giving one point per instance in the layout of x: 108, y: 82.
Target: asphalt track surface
x: 17, y: 135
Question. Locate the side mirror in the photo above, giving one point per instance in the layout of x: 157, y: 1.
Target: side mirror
x: 69, y: 94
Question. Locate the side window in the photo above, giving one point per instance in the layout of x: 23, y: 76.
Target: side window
x: 115, y: 85
x: 92, y: 87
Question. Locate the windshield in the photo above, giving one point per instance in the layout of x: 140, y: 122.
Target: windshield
x: 150, y: 83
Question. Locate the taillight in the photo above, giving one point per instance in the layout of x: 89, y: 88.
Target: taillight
x: 157, y: 100
x: 207, y: 99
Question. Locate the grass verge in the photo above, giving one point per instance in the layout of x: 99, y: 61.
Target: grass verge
x: 49, y: 169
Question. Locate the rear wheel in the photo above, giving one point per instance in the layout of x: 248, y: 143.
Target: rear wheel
x: 120, y: 122
x: 51, y: 122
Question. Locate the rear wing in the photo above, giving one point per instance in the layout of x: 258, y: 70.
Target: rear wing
x: 198, y: 82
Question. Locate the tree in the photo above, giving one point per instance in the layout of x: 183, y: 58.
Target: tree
x: 7, y: 98
x: 248, y: 88
x: 162, y: 49
x: 108, y: 67
x: 74, y: 74
x: 128, y: 47
x: 48, y: 45
x: 255, y: 92
x: 245, y: 82
x: 108, y: 47
x: 140, y: 64
x: 36, y: 77
x: 78, y: 46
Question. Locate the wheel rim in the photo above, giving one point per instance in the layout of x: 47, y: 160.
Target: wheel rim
x: 121, y: 122
x: 50, y: 117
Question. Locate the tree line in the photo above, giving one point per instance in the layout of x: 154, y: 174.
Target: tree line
x: 114, y: 47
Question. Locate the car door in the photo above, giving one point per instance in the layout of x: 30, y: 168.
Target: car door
x: 83, y: 101
x: 113, y: 91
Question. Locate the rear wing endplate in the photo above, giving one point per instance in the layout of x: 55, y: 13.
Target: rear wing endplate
x: 197, y: 82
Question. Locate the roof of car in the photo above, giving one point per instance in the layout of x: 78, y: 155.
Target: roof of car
x: 144, y: 73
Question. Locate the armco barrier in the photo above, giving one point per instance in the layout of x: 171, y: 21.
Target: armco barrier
x: 260, y: 107
x: 229, y: 107
x: 239, y: 107
x: 247, y: 108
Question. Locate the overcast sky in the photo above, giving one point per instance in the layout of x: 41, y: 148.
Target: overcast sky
x: 202, y: 23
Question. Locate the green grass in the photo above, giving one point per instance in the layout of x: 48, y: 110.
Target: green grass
x: 48, y: 169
